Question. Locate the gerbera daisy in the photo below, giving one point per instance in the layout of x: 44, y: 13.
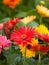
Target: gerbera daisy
x: 23, y: 36
x: 40, y: 48
x: 28, y: 46
x: 4, y: 42
x: 28, y: 19
x: 43, y: 11
x: 7, y: 26
x: 11, y: 3
x: 41, y: 29
x: 44, y: 37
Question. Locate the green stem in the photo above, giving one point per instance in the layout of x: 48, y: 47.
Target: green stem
x: 40, y: 20
x: 39, y: 59
x: 24, y: 63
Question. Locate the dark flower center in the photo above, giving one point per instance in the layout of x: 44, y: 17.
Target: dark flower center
x: 29, y: 46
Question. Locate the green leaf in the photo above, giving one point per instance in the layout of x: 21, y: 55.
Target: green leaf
x: 4, y: 20
x: 30, y: 61
x: 45, y: 61
x: 17, y: 47
x: 21, y: 14
x: 1, y: 31
x: 11, y: 56
x: 19, y: 61
x: 19, y: 24
x: 33, y: 24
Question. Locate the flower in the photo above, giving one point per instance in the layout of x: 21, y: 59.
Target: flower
x: 41, y: 29
x: 42, y: 2
x: 42, y: 32
x: 40, y: 48
x: 11, y: 3
x: 44, y: 37
x: 29, y: 52
x: 11, y: 23
x: 7, y: 26
x: 43, y: 11
x: 23, y: 36
x: 6, y: 2
x: 28, y: 19
x: 4, y: 42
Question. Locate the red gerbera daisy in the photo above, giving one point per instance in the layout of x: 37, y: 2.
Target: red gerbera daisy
x: 41, y: 48
x: 44, y: 37
x: 7, y: 26
x: 24, y: 35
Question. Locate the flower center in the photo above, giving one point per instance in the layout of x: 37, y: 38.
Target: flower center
x: 29, y: 46
x: 23, y: 37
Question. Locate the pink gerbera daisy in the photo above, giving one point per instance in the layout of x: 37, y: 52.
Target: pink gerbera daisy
x: 4, y: 42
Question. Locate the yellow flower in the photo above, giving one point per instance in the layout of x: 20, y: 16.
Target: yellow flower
x: 42, y: 2
x: 28, y: 19
x: 43, y: 11
x: 29, y: 53
x: 42, y: 29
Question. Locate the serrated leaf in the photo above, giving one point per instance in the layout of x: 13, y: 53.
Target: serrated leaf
x: 45, y: 61
x: 11, y: 56
x: 30, y: 61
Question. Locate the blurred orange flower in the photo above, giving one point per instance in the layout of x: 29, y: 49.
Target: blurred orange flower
x: 11, y: 3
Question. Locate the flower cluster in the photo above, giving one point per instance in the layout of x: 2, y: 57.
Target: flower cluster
x: 31, y: 36
x: 25, y: 37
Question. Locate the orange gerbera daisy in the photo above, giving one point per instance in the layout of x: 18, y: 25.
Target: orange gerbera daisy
x: 11, y: 3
